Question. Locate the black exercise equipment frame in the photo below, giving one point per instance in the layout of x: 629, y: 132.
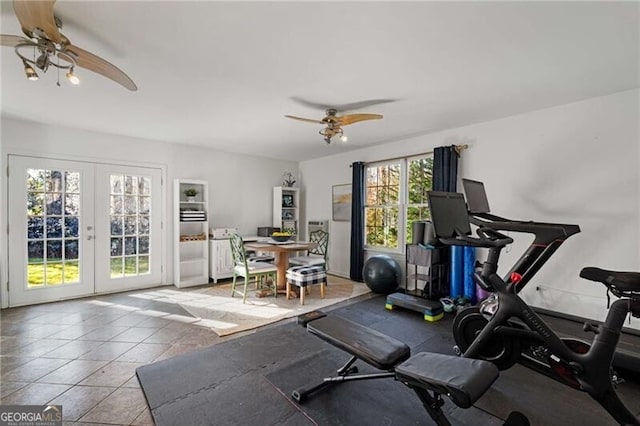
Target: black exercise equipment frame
x: 469, y: 380
x: 510, y: 321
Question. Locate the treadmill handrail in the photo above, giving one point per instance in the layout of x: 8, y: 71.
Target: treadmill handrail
x: 547, y: 239
x: 548, y: 231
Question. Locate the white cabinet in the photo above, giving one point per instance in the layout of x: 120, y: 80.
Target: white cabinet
x: 220, y: 260
x: 191, y: 231
x: 286, y: 209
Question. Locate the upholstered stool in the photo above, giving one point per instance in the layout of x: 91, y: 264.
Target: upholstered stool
x: 302, y: 276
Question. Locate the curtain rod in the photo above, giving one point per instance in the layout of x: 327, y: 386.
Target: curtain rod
x: 457, y: 148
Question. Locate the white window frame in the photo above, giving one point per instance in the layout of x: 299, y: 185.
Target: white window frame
x: 403, y: 202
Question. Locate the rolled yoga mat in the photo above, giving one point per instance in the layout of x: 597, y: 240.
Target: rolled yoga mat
x: 468, y: 268
x: 457, y: 271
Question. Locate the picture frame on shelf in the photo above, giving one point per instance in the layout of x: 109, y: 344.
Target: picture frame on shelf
x: 287, y: 200
x: 287, y: 215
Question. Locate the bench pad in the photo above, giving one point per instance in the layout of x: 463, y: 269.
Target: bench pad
x: 463, y: 379
x: 371, y: 346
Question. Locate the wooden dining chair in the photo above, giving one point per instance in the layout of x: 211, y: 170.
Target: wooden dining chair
x: 264, y: 274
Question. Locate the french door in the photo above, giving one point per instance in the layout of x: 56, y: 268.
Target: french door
x: 79, y: 228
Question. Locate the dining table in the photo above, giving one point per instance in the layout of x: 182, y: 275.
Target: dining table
x: 281, y: 251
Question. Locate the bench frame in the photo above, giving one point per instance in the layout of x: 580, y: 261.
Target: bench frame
x: 369, y: 342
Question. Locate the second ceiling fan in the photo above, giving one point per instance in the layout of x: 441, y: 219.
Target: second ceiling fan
x: 334, y: 122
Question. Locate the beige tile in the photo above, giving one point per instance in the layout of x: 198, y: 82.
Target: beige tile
x: 74, y: 349
x: 167, y: 335
x: 144, y: 352
x: 134, y: 334
x: 121, y: 407
x: 178, y: 349
x: 19, y: 329
x: 72, y: 372
x: 103, y: 319
x: 37, y: 348
x: 105, y: 333
x: 63, y: 318
x: 7, y: 388
x: 11, y: 343
x: 198, y: 336
x: 154, y: 322
x: 35, y: 394
x: 43, y: 331
x: 19, y: 315
x: 129, y: 320
x: 78, y: 400
x: 114, y: 374
x: 74, y: 331
x: 132, y: 383
x: 108, y: 351
x: 144, y: 418
x: 33, y: 370
x: 8, y: 363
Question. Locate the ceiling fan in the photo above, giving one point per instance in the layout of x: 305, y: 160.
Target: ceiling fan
x: 334, y: 122
x: 45, y: 46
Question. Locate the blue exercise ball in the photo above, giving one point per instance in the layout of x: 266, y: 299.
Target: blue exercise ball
x: 382, y: 274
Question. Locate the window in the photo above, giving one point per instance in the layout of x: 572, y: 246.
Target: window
x: 396, y: 196
x: 419, y: 182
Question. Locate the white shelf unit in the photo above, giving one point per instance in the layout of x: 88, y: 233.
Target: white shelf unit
x: 220, y: 260
x: 191, y: 233
x: 286, y: 208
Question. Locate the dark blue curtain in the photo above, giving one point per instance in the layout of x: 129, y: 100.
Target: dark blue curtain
x: 445, y: 168
x: 357, y: 221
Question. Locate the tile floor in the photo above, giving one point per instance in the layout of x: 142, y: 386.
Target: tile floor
x: 83, y: 353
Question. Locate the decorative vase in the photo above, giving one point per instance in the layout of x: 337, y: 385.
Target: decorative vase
x: 191, y: 199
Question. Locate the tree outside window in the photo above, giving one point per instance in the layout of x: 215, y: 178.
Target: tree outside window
x: 396, y: 196
x: 419, y: 182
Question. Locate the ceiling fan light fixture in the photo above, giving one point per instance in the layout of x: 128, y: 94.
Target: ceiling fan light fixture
x: 29, y: 71
x: 73, y: 79
x: 43, y: 61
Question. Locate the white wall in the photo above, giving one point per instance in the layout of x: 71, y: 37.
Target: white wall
x: 240, y: 188
x: 576, y: 163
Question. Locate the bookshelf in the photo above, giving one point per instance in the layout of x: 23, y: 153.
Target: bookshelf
x: 191, y: 232
x: 286, y: 209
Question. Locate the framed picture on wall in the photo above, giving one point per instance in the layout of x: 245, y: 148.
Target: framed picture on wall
x: 341, y: 202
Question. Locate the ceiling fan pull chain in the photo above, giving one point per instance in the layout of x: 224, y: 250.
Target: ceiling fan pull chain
x: 58, y: 69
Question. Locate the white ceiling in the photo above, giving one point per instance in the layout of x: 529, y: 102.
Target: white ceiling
x: 223, y: 74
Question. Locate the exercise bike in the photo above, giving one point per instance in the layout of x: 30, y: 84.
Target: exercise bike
x: 503, y: 329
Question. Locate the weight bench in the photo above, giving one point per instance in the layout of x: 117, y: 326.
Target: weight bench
x: 430, y: 375
x: 374, y: 348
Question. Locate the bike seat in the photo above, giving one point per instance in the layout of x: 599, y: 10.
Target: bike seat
x: 621, y: 281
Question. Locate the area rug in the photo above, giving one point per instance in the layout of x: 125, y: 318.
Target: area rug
x: 227, y: 315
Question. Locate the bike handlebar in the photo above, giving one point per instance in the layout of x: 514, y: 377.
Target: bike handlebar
x: 487, y: 238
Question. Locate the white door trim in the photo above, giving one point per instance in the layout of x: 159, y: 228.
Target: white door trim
x: 4, y: 202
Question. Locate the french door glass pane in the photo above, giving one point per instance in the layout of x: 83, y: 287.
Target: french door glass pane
x: 53, y: 215
x: 130, y: 206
